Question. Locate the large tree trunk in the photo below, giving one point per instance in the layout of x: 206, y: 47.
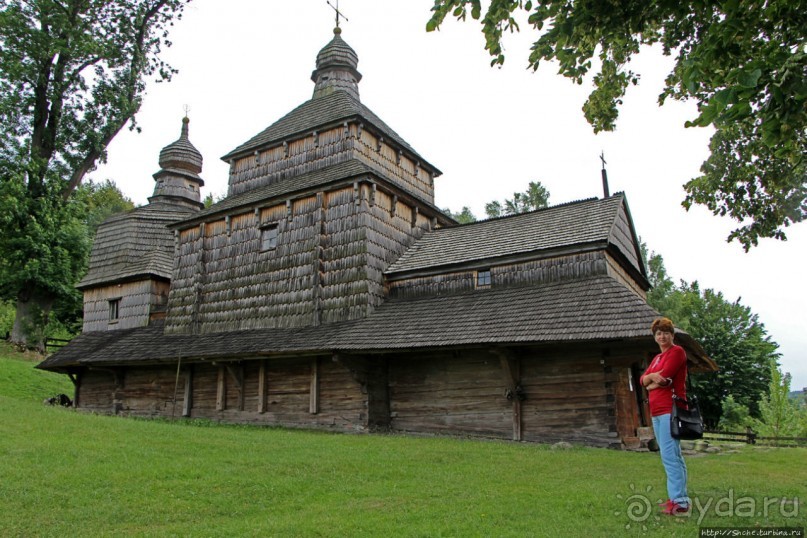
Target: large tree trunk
x: 33, y: 308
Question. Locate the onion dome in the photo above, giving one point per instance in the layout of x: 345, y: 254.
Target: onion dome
x: 182, y: 154
x: 178, y: 180
x: 336, y: 68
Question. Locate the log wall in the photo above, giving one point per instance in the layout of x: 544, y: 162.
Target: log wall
x: 259, y: 392
x: 577, y: 393
x: 449, y: 394
x: 137, y: 301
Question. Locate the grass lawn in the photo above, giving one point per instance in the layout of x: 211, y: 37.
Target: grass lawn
x: 66, y: 473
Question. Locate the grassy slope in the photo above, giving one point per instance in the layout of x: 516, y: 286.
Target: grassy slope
x: 64, y: 473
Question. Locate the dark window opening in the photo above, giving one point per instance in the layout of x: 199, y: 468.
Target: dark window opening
x: 114, y: 309
x: 483, y: 279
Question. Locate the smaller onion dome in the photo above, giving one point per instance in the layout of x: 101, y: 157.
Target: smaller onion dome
x: 182, y: 154
x: 178, y: 180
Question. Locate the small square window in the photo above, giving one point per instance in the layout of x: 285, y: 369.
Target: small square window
x: 483, y: 279
x: 269, y: 237
x: 114, y: 309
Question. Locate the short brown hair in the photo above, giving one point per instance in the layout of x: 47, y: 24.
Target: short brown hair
x: 662, y: 324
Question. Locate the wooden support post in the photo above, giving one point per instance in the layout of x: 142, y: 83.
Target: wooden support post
x: 221, y: 390
x: 76, y: 379
x: 313, y: 404
x: 511, y: 368
x: 237, y: 373
x: 262, y: 387
x: 187, y: 401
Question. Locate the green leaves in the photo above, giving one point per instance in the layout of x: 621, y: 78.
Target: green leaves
x: 730, y: 333
x: 741, y: 62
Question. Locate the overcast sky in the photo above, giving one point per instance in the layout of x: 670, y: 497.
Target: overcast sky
x: 243, y: 64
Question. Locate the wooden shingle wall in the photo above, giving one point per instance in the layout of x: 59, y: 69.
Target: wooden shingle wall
x: 392, y: 226
x: 531, y: 272
x: 332, y: 249
x: 319, y: 149
x: 137, y: 301
x: 307, y: 153
x: 399, y: 166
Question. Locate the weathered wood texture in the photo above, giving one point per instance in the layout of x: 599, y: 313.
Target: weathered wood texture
x: 327, y: 266
x: 622, y: 237
x: 531, y: 272
x: 317, y: 150
x: 574, y: 393
x: 568, y: 399
x: 149, y: 391
x: 449, y: 394
x: 138, y: 300
x: 618, y: 272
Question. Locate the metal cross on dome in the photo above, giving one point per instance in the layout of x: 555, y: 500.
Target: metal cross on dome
x: 336, y: 9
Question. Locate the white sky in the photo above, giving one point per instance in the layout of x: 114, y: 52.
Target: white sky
x: 243, y: 64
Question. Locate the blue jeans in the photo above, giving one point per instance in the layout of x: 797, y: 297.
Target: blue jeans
x: 672, y: 459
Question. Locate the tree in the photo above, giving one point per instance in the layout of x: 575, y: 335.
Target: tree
x: 102, y: 200
x: 463, y: 217
x: 729, y: 332
x: 734, y: 417
x: 743, y: 62
x: 779, y: 414
x: 535, y: 197
x: 72, y: 75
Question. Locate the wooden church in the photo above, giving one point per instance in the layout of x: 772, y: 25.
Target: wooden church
x: 328, y: 291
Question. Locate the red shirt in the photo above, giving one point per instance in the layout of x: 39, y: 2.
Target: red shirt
x: 673, y: 364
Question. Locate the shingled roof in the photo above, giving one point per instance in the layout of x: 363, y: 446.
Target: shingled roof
x: 573, y: 224
x: 301, y: 183
x: 134, y: 244
x: 595, y: 308
x: 332, y: 109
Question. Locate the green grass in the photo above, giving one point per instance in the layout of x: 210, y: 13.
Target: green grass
x: 66, y: 473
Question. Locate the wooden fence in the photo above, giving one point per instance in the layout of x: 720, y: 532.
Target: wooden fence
x: 52, y: 344
x: 752, y: 438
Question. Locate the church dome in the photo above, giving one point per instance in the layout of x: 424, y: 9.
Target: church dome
x: 182, y: 154
x: 336, y: 68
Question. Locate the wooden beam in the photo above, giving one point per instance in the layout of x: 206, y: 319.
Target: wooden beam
x: 262, y: 387
x: 221, y: 390
x: 313, y: 403
x: 237, y: 373
x: 511, y: 369
x: 187, y: 401
x: 76, y: 379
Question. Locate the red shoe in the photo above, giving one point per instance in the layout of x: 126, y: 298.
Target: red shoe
x: 665, y: 505
x: 675, y: 509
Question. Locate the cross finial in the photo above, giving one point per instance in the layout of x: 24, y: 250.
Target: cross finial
x: 187, y: 109
x: 336, y: 9
x: 602, y: 158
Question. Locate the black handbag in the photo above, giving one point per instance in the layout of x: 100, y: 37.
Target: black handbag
x: 686, y: 421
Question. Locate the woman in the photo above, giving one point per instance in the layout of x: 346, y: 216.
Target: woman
x: 666, y: 375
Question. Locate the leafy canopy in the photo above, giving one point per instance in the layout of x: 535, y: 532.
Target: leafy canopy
x: 730, y: 333
x: 72, y: 75
x: 535, y: 197
x: 743, y: 62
